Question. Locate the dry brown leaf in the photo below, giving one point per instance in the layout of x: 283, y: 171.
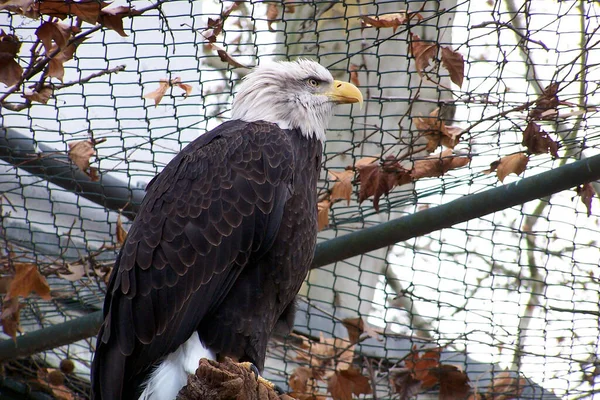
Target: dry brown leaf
x: 90, y: 11
x: 93, y: 174
x: 10, y: 70
x: 51, y: 379
x: 378, y: 180
x: 215, y: 26
x: 327, y: 351
x: 423, y: 51
x: 454, y: 62
x: 365, y: 161
x: 512, y: 164
x: 86, y: 10
x: 53, y: 32
x: 80, y: 153
x: 476, y: 396
x: 158, y: 94
x: 41, y: 96
x: 187, y: 88
x: 299, y: 379
x: 5, y: 284
x: 342, y: 188
x: 421, y: 366
x: 537, y: 141
x: 344, y: 383
x: 11, y: 316
x: 356, y: 327
x: 404, y: 384
x: 437, y: 165
x: 56, y: 67
x: 506, y: 387
x: 163, y: 86
x: 104, y: 273
x: 121, y: 232
x: 225, y: 57
x: 323, y: 214
x: 22, y: 7
x: 392, y: 20
x: 289, y: 8
x: 548, y: 101
x: 454, y: 383
x: 67, y: 366
x: 354, y: 74
x: 112, y: 18
x: 272, y: 13
x: 77, y: 271
x: 436, y: 132
x: 27, y: 280
x: 586, y: 193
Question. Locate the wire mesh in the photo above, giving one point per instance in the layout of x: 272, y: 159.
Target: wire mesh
x: 512, y: 296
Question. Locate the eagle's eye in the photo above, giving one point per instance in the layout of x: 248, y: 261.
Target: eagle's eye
x: 313, y: 82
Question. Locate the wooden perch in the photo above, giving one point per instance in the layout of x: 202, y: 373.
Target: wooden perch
x: 226, y: 381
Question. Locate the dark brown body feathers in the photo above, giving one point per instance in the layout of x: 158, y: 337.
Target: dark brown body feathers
x: 221, y: 245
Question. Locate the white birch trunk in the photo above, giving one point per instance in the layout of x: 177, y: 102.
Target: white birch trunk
x: 332, y: 35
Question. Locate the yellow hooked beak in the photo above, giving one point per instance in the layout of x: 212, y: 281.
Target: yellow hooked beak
x: 345, y: 93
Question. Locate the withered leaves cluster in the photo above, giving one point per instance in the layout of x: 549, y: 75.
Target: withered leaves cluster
x: 437, y: 132
x: 10, y: 70
x: 425, y: 51
x: 377, y: 179
x: 535, y: 139
x: 586, y: 193
x: 391, y: 20
x: 330, y: 361
x: 511, y: 164
x: 25, y: 281
x: 80, y: 153
x: 90, y: 11
x: 423, y: 371
x: 164, y: 85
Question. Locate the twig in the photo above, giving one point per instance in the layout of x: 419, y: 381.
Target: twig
x: 537, y: 283
x: 403, y: 300
x: 372, y: 376
x: 575, y: 311
x: 38, y: 66
x: 90, y: 77
x: 512, y: 28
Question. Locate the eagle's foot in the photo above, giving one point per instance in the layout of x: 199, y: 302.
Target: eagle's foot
x: 251, y: 367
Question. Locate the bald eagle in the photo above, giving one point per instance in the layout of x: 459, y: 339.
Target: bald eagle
x: 223, y: 240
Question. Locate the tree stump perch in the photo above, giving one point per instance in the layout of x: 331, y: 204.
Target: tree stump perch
x: 227, y: 380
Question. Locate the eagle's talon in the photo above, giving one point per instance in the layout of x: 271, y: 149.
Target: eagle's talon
x: 278, y: 389
x: 251, y: 367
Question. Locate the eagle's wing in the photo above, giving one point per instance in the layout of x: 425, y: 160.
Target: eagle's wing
x: 216, y: 206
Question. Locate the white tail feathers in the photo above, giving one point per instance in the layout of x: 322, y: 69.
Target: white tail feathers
x: 170, y: 376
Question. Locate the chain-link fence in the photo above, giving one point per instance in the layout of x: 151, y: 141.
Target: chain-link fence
x: 459, y: 96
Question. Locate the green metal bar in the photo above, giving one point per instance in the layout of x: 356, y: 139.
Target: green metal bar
x: 51, y: 337
x: 457, y: 211
x: 54, y: 166
x: 360, y: 242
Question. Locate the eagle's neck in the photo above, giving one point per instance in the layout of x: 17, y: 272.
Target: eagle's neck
x: 308, y: 113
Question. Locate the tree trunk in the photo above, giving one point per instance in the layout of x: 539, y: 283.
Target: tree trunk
x: 330, y: 33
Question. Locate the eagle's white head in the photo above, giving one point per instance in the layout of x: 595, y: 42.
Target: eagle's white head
x: 299, y: 94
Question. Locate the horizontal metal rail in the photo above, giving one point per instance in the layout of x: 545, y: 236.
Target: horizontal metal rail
x: 360, y: 242
x: 54, y: 166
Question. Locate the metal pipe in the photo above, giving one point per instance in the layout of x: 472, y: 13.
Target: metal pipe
x: 54, y: 166
x: 457, y: 211
x: 360, y: 242
x: 51, y: 337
